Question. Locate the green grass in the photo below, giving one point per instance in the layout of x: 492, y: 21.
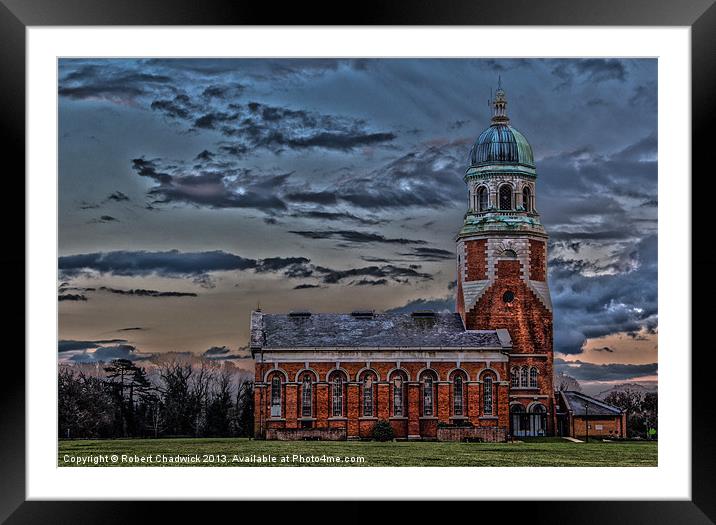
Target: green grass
x: 558, y: 453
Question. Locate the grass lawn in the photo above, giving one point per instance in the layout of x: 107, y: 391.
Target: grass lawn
x: 222, y: 452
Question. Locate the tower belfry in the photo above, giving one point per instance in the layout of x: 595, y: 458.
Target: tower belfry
x: 502, y: 248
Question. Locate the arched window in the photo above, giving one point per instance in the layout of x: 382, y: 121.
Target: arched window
x: 307, y: 396
x: 515, y: 377
x: 368, y: 397
x: 505, y: 197
x: 458, y: 406
x: 337, y: 395
x: 533, y: 377
x: 518, y: 420
x: 482, y: 199
x: 512, y: 254
x: 523, y: 377
x: 487, y: 389
x: 428, y: 394
x: 526, y: 199
x: 276, y: 396
x: 398, y: 384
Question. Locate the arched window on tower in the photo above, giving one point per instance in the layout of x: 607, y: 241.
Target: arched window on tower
x: 482, y: 199
x: 523, y: 377
x: 505, y: 195
x: 533, y: 377
x: 515, y: 377
x: 527, y: 199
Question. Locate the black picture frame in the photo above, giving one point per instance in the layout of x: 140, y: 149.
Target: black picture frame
x: 699, y: 15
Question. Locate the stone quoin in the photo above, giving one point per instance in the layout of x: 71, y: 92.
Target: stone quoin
x: 484, y: 371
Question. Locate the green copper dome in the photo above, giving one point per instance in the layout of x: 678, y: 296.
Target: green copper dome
x: 501, y: 144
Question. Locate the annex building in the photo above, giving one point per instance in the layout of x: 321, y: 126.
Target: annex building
x: 485, y: 371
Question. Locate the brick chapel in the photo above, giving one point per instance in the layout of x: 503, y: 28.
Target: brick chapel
x: 488, y: 366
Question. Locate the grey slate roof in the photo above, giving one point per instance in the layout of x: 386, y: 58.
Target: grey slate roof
x: 582, y: 405
x: 382, y: 330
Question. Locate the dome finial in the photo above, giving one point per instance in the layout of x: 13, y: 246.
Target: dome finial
x: 499, y: 105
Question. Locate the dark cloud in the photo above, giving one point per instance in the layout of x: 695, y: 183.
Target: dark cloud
x: 216, y: 350
x: 116, y: 84
x: 335, y: 216
x: 431, y: 254
x: 370, y: 282
x: 355, y: 236
x: 117, y: 196
x: 331, y: 276
x: 594, y: 306
x: 146, y: 293
x: 131, y: 329
x: 592, y: 70
x: 174, y: 263
x: 105, y: 354
x: 67, y: 345
x: 446, y: 304
x: 306, y: 286
x: 214, y: 188
x: 606, y: 372
x: 71, y: 297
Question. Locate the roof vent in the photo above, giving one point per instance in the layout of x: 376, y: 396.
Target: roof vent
x: 423, y: 314
x: 300, y: 314
x: 363, y: 314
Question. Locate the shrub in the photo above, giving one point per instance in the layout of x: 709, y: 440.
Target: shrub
x: 382, y: 431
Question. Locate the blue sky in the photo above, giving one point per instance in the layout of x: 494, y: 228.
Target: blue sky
x: 193, y: 189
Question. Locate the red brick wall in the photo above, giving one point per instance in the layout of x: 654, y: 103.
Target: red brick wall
x: 611, y: 426
x: 476, y: 259
x: 538, y: 261
x: 412, y: 423
x: 526, y: 318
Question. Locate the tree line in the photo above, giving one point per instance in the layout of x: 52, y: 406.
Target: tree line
x: 178, y: 400
x: 642, y: 411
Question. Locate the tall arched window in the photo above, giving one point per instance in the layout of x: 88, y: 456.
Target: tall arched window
x: 307, y: 396
x: 458, y: 407
x: 515, y: 377
x: 276, y: 396
x: 337, y: 395
x: 505, y: 197
x: 533, y: 377
x: 482, y: 199
x: 524, y: 377
x: 526, y: 199
x: 398, y: 384
x: 428, y: 395
x: 487, y: 389
x: 368, y: 397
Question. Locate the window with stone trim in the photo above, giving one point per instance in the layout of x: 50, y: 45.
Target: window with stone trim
x: 307, y: 396
x: 527, y: 199
x: 487, y: 396
x: 428, y: 395
x: 524, y: 380
x: 337, y: 394
x: 515, y: 377
x: 482, y: 203
x: 368, y: 394
x: 398, y: 395
x: 458, y: 406
x: 276, y: 396
x: 533, y: 377
x: 505, y: 196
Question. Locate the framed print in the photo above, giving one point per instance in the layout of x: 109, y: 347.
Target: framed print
x: 446, y: 257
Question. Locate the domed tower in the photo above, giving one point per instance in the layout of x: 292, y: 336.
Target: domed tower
x: 502, y: 260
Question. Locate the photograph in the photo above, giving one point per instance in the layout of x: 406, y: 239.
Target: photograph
x: 357, y: 262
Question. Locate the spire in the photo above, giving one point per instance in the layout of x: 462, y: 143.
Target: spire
x: 499, y: 105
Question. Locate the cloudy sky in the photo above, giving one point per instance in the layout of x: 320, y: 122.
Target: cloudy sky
x: 192, y: 190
